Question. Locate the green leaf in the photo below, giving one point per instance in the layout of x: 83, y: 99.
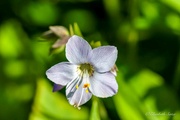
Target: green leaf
x: 71, y: 30
x: 11, y: 35
x: 56, y: 50
x: 144, y: 94
x: 174, y: 4
x: 77, y: 30
x: 95, y: 110
x: 128, y: 101
x: 54, y: 106
x: 95, y: 44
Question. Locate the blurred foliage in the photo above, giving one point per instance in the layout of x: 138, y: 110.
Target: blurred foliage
x: 60, y: 109
x: 146, y: 33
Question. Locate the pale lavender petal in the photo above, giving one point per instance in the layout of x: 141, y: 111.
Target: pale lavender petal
x: 77, y: 50
x: 57, y: 87
x: 103, y: 85
x: 103, y: 58
x: 61, y: 73
x: 77, y: 95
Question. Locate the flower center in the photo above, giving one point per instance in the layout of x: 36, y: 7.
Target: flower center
x: 86, y: 67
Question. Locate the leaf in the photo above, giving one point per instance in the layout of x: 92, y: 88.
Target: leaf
x: 56, y: 50
x: 11, y: 35
x: 95, y: 110
x: 144, y: 94
x: 71, y: 30
x: 174, y: 4
x: 126, y: 102
x: 77, y: 30
x: 54, y: 106
x: 95, y: 44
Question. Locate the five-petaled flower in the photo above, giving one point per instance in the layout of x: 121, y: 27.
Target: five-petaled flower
x: 87, y: 72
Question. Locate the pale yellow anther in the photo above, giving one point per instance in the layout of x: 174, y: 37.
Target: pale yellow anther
x: 87, y: 90
x: 76, y: 106
x: 77, y: 86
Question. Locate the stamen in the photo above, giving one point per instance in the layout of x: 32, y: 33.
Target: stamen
x: 74, y: 81
x: 75, y: 105
x: 87, y: 91
x: 78, y: 82
x: 84, y: 71
x: 86, y: 85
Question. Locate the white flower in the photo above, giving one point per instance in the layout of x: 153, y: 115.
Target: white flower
x: 87, y: 72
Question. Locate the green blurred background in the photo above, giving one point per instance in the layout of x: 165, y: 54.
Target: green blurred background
x: 146, y: 33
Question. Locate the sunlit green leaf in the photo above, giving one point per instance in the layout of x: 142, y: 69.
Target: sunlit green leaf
x: 10, y: 41
x: 146, y: 79
x: 52, y: 106
x: 176, y: 116
x: 141, y: 23
x: 77, y: 30
x: 126, y: 102
x: 95, y: 44
x: 175, y: 4
x: 173, y: 21
x: 139, y: 97
x: 71, y: 30
x: 150, y: 10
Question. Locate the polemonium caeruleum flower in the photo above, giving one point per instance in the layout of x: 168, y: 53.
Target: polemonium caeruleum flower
x: 87, y: 72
